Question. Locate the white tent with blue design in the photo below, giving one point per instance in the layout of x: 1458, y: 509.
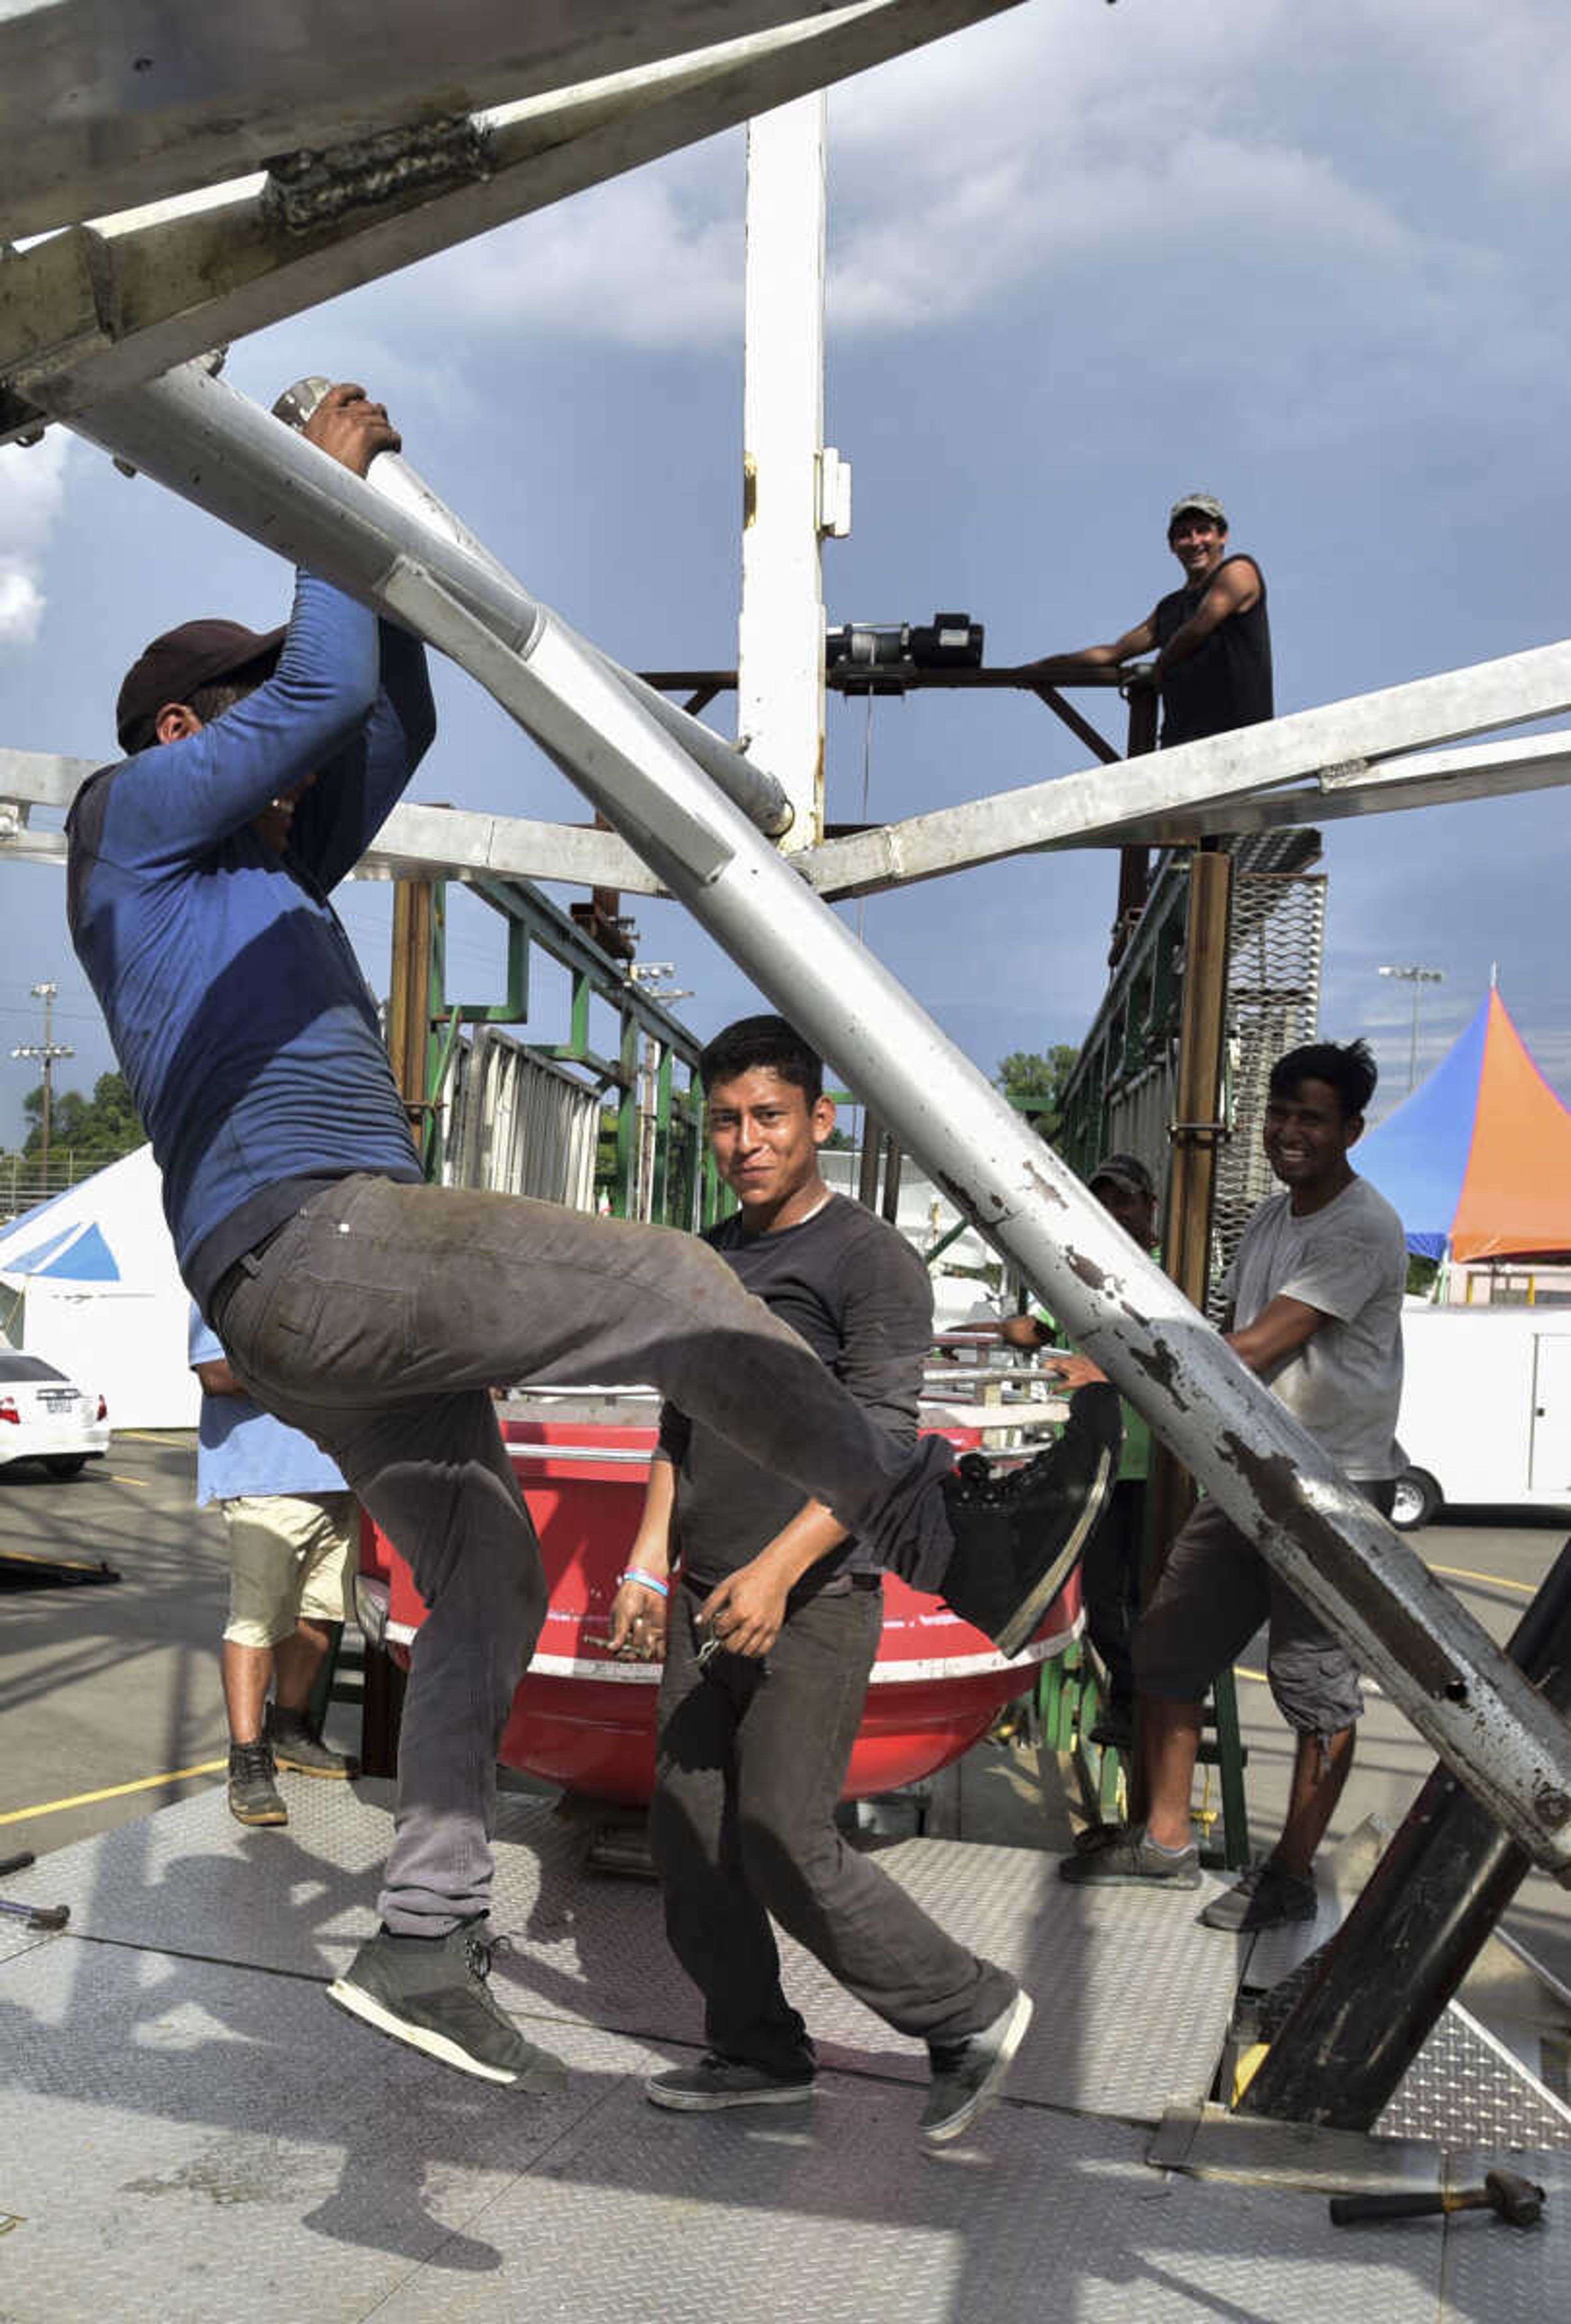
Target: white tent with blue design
x: 88, y: 1282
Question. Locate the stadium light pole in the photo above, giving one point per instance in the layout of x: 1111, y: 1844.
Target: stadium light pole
x: 46, y: 1052
x: 1410, y: 972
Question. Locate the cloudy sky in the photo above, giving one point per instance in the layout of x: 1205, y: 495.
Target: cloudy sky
x: 1083, y: 258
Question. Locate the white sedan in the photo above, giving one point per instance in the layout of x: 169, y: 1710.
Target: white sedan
x: 44, y: 1416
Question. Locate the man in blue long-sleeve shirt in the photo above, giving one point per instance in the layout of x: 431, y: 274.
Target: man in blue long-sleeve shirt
x: 373, y: 1310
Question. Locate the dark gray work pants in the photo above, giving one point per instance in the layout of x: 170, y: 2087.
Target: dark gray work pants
x: 378, y: 1318
x: 750, y: 1766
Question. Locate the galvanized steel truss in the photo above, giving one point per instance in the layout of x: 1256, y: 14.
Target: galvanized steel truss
x: 74, y: 344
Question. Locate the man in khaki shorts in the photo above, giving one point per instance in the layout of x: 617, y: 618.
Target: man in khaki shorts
x: 292, y: 1528
x: 1315, y: 1298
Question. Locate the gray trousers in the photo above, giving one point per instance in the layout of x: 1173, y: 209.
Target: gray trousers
x: 378, y: 1318
x: 752, y: 1757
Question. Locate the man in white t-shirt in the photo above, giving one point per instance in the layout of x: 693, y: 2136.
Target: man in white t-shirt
x: 1314, y: 1308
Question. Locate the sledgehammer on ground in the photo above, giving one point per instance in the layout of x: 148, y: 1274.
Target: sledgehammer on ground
x: 1518, y: 2202
x: 37, y: 1917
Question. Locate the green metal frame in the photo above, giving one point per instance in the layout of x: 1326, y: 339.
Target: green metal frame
x: 1069, y: 1698
x: 683, y: 1170
x: 1070, y: 1695
x: 1222, y: 1748
x: 1136, y: 1025
x: 1138, y: 1021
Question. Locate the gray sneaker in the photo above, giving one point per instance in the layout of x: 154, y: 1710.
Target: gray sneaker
x: 1130, y: 1860
x: 968, y: 2075
x: 254, y: 1796
x: 1267, y: 1897
x: 431, y: 1993
x: 715, y: 2083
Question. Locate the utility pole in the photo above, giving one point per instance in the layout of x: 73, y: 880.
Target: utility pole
x: 46, y: 1051
x: 654, y: 1074
x: 1410, y: 972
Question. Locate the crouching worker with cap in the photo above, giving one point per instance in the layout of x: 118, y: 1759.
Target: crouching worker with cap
x: 374, y: 1311
x: 1110, y: 1569
x: 769, y: 1634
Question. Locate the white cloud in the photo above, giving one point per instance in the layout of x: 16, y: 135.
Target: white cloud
x: 1497, y: 79
x: 650, y: 260
x: 33, y: 483
x: 1056, y: 141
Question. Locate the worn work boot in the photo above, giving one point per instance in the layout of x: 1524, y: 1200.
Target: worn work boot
x: 1267, y: 1897
x: 431, y: 1993
x: 1018, y: 1534
x: 1131, y: 1859
x: 968, y: 2074
x: 297, y: 1746
x: 716, y: 2082
x: 254, y: 1796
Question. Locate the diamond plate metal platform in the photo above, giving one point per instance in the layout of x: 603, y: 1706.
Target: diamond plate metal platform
x: 189, y: 2133
x: 1465, y: 2089
x: 593, y: 1950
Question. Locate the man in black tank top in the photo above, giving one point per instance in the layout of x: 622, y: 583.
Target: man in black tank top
x: 1211, y: 638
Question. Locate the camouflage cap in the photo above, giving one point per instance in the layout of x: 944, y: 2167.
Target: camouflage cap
x: 1197, y: 504
x: 1125, y: 1170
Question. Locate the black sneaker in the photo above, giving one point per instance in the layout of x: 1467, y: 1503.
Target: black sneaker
x: 1018, y: 1535
x: 1093, y: 1836
x: 1130, y: 1860
x: 295, y: 1746
x: 1267, y: 1897
x: 431, y: 1993
x: 715, y: 2083
x: 967, y: 2075
x: 1115, y: 1729
x: 254, y: 1796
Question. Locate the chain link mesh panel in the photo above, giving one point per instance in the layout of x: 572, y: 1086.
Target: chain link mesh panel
x: 1120, y: 1097
x: 1276, y: 943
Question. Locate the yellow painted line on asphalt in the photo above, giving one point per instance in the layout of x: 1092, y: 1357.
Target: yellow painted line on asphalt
x: 141, y: 1483
x: 1457, y: 1573
x: 1495, y: 1580
x: 115, y: 1791
x: 151, y: 1436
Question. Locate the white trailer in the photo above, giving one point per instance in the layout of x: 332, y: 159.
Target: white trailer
x: 1486, y: 1409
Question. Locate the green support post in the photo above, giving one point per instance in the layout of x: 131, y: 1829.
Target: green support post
x: 1223, y: 1748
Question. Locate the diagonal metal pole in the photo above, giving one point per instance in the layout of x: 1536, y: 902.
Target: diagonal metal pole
x: 1421, y: 1922
x: 204, y: 440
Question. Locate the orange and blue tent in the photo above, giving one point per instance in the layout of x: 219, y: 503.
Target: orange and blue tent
x: 1477, y: 1160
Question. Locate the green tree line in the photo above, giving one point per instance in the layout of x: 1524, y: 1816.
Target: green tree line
x: 98, y: 1128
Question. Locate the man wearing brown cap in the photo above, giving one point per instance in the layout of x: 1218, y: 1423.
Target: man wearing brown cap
x: 373, y: 1311
x: 1211, y: 637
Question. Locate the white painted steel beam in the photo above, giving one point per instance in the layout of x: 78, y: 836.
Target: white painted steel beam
x: 445, y: 843
x: 106, y: 103
x: 1339, y: 744
x: 1385, y: 787
x: 1272, y: 1478
x: 780, y: 636
x: 416, y: 841
x: 91, y: 311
